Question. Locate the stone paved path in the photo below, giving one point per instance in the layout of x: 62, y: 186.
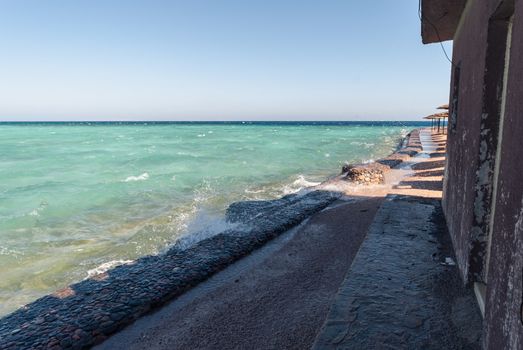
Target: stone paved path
x: 399, y: 293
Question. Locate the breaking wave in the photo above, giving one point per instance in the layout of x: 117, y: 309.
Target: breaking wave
x: 106, y: 267
x: 142, y: 177
x: 299, y: 184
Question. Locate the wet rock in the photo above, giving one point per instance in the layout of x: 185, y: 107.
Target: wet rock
x: 413, y: 322
x: 285, y: 208
x: 366, y: 174
x: 391, y: 161
x: 245, y: 211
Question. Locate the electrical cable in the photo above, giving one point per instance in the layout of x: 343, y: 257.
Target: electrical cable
x: 422, y: 17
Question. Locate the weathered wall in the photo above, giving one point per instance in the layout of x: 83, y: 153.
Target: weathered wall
x: 462, y: 145
x: 504, y: 327
x: 477, y: 52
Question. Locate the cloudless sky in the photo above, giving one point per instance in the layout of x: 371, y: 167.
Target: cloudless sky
x: 217, y: 60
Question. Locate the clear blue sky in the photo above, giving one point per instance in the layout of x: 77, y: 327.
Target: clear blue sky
x: 217, y: 60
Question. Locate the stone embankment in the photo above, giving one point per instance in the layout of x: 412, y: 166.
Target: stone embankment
x: 86, y: 313
x: 374, y: 173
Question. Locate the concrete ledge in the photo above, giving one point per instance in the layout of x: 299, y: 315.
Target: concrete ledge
x: 402, y: 291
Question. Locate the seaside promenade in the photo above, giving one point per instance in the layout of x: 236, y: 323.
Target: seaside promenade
x: 315, y: 287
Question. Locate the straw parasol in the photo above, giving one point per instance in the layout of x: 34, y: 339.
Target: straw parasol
x: 436, y: 119
x: 441, y: 115
x: 431, y: 118
x: 446, y: 106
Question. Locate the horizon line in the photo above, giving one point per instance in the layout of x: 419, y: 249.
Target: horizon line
x: 212, y: 121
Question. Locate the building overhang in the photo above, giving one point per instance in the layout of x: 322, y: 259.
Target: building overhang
x: 440, y: 19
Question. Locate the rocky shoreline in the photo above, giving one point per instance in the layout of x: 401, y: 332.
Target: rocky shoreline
x: 86, y: 313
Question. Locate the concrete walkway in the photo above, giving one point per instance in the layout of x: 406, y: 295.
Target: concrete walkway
x: 403, y: 290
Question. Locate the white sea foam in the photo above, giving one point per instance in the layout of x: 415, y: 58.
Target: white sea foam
x: 142, y: 177
x: 106, y: 267
x: 194, y: 223
x: 9, y: 252
x: 37, y: 211
x: 254, y: 191
x: 299, y: 184
x: 202, y: 226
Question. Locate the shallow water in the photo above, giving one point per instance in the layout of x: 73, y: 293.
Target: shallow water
x: 76, y: 199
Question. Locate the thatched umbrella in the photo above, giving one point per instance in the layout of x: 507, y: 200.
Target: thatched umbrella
x: 436, y: 118
x: 446, y: 106
x: 440, y: 115
x: 431, y: 121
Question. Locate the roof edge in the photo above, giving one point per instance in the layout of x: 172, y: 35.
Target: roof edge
x: 440, y: 19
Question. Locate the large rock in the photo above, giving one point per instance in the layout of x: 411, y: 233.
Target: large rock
x: 374, y: 173
x: 366, y: 174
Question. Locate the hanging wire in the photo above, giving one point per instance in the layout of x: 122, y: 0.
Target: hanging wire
x: 423, y: 18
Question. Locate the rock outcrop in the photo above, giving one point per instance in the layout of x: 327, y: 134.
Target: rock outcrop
x: 365, y: 174
x: 374, y: 173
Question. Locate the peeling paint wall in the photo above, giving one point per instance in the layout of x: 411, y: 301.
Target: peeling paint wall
x: 463, y: 142
x: 497, y: 64
x: 484, y: 168
x: 504, y: 327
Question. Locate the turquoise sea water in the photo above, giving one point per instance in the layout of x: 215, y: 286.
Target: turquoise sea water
x: 79, y: 198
